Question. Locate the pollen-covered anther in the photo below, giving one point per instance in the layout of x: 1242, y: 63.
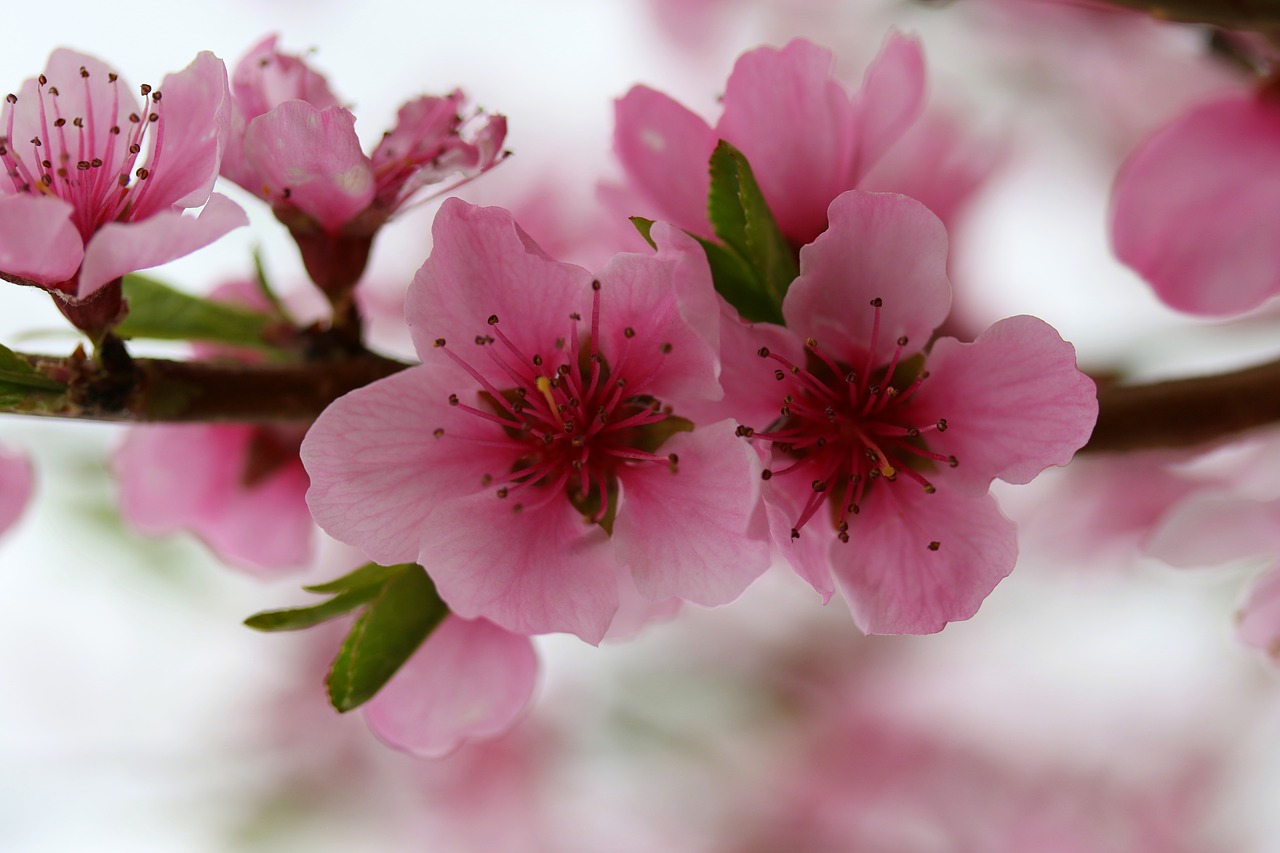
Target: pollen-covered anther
x: 935, y: 545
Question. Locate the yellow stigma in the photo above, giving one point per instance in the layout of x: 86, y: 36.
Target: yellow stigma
x: 543, y: 384
x: 888, y: 470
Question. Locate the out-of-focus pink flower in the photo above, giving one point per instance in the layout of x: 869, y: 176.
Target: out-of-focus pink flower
x: 241, y: 488
x: 880, y: 455
x: 1196, y: 208
x: 295, y: 146
x: 15, y: 487
x: 97, y: 180
x: 469, y: 680
x: 546, y: 399
x: 807, y: 139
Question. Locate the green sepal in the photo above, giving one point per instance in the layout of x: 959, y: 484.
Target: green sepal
x: 402, y: 615
x: 297, y: 618
x: 22, y: 386
x: 160, y: 312
x: 755, y: 264
x: 644, y: 226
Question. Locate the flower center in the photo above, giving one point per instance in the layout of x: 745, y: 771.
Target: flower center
x: 72, y: 158
x: 846, y: 431
x: 577, y: 419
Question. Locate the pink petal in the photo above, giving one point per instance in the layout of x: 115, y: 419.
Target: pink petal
x: 643, y: 324
x: 264, y: 78
x: 1211, y: 529
x: 808, y: 554
x: 16, y: 480
x: 1259, y: 618
x: 635, y: 611
x: 896, y: 585
x: 1014, y: 401
x: 190, y: 477
x: 889, y: 102
x: 310, y: 158
x: 878, y: 246
x: 794, y: 122
x: 119, y: 248
x: 37, y: 239
x: 1196, y: 208
x: 470, y: 679
x: 377, y: 470
x: 664, y: 149
x: 689, y: 533
x: 535, y: 571
x: 482, y: 264
x: 194, y: 119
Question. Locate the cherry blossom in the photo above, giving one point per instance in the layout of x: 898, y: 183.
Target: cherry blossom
x: 807, y: 139
x: 540, y: 452
x: 98, y: 179
x: 880, y: 448
x: 295, y: 146
x: 1196, y: 207
x: 15, y: 487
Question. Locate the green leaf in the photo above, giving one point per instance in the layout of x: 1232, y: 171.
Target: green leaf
x: 756, y: 264
x: 297, y: 618
x: 644, y: 226
x: 160, y: 312
x: 370, y: 574
x: 405, y: 611
x: 16, y: 371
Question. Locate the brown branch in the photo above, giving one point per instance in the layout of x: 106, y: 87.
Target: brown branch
x: 1186, y: 412
x: 1234, y: 14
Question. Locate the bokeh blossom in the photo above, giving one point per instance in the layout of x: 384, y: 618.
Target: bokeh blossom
x: 881, y: 446
x: 97, y: 180
x: 1196, y: 208
x: 540, y: 452
x: 295, y: 146
x: 807, y: 139
x: 15, y: 487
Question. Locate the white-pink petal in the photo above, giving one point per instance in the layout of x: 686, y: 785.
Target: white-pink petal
x: 38, y: 241
x: 119, y: 248
x: 1258, y: 622
x: 889, y: 102
x: 16, y: 481
x: 694, y: 533
x: 470, y: 679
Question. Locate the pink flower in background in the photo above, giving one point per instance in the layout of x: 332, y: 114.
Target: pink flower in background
x: 880, y: 452
x: 15, y: 487
x: 807, y: 139
x: 540, y: 452
x: 1196, y: 208
x: 296, y: 147
x: 97, y: 180
x: 469, y: 680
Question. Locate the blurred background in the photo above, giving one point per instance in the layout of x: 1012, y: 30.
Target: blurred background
x: 1099, y: 701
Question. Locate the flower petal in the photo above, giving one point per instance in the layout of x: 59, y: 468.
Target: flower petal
x: 793, y: 120
x: 16, y: 479
x: 689, y: 533
x: 38, y: 242
x: 470, y: 679
x: 1259, y: 618
x: 889, y: 102
x: 1213, y: 529
x: 664, y: 149
x: 310, y: 158
x: 377, y: 470
x: 535, y: 571
x: 896, y: 584
x: 119, y: 248
x: 1196, y: 208
x: 482, y: 264
x: 264, y: 78
x: 878, y: 246
x: 1014, y: 401
x: 194, y: 120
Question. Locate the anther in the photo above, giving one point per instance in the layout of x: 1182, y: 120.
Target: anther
x: 493, y: 320
x: 766, y: 474
x: 438, y: 432
x: 502, y: 493
x: 744, y: 432
x: 935, y: 545
x: 453, y: 399
x: 537, y: 360
x: 942, y: 424
x: 59, y: 122
x: 595, y: 285
x: 763, y: 352
x: 84, y: 72
x: 666, y: 349
x: 952, y: 461
x: 902, y: 341
x: 439, y: 342
x: 819, y: 486
x: 877, y: 302
x: 795, y: 534
x: 146, y: 89
x: 779, y: 375
x: 575, y: 316
x: 629, y: 332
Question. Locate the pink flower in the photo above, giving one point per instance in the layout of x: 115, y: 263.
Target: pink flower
x: 83, y: 205
x: 879, y: 453
x: 469, y: 680
x: 540, y: 451
x: 1196, y: 209
x: 15, y: 487
x: 807, y: 139
x: 296, y: 147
